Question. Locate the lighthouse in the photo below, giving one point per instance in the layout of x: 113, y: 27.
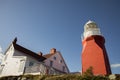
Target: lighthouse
x: 94, y: 53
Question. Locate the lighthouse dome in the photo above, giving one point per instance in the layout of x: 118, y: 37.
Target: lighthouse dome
x: 91, y: 28
x: 90, y: 25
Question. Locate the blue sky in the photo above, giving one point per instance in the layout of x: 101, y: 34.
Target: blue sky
x: 41, y: 25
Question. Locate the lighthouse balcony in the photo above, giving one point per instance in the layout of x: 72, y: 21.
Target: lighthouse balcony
x: 91, y: 33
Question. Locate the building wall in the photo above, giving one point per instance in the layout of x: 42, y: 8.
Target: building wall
x: 12, y: 67
x: 58, y: 63
x: 10, y: 64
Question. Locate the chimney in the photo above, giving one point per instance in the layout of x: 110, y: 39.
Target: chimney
x: 53, y: 51
x: 15, y: 40
x: 40, y: 53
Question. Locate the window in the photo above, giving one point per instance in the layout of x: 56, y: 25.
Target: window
x: 60, y: 61
x: 51, y: 63
x: 54, y: 58
x: 21, y: 66
x: 1, y: 68
x: 31, y: 63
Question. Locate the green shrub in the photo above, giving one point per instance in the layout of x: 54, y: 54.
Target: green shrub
x: 57, y: 77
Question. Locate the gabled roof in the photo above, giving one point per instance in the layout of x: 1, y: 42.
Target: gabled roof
x: 28, y: 52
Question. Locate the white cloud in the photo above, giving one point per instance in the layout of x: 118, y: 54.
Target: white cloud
x: 115, y: 65
x: 0, y: 49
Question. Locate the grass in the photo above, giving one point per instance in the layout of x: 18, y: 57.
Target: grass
x: 55, y: 77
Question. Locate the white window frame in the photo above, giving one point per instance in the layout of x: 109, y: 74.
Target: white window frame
x: 21, y: 66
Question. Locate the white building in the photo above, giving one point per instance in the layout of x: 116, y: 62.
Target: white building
x: 19, y: 60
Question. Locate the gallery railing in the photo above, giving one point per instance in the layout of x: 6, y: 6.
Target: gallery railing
x: 42, y: 69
